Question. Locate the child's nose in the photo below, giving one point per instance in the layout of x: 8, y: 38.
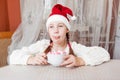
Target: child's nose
x: 56, y: 30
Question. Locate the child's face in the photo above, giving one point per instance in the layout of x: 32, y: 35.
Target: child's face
x: 57, y: 31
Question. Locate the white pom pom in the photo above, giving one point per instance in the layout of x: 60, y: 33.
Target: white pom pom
x: 73, y: 18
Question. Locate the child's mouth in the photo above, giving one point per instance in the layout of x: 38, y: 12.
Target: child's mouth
x: 56, y: 37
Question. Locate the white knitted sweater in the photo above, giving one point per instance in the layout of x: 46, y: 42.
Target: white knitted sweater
x: 91, y: 55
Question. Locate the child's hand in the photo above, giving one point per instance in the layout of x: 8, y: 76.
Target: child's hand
x: 72, y: 61
x: 38, y: 59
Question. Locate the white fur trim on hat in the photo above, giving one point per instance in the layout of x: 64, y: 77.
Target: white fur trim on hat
x: 61, y: 18
x: 73, y: 18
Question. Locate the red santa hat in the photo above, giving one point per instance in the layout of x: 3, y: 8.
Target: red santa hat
x: 60, y: 13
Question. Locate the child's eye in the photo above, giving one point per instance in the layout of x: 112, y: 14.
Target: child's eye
x: 60, y: 26
x: 51, y: 27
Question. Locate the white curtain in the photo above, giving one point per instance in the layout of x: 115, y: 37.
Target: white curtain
x: 92, y: 26
x: 117, y: 37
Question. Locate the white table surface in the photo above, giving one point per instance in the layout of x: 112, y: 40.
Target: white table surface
x: 107, y: 71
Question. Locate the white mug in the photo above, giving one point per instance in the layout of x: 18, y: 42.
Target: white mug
x: 55, y: 59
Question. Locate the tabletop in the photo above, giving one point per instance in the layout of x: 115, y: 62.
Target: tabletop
x: 106, y: 71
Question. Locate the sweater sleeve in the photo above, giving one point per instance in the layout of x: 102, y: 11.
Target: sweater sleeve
x: 91, y: 55
x: 20, y: 56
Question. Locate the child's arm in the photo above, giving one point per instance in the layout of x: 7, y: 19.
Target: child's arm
x: 91, y: 55
x: 20, y: 56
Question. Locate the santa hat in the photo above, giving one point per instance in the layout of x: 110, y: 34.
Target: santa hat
x: 60, y: 13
